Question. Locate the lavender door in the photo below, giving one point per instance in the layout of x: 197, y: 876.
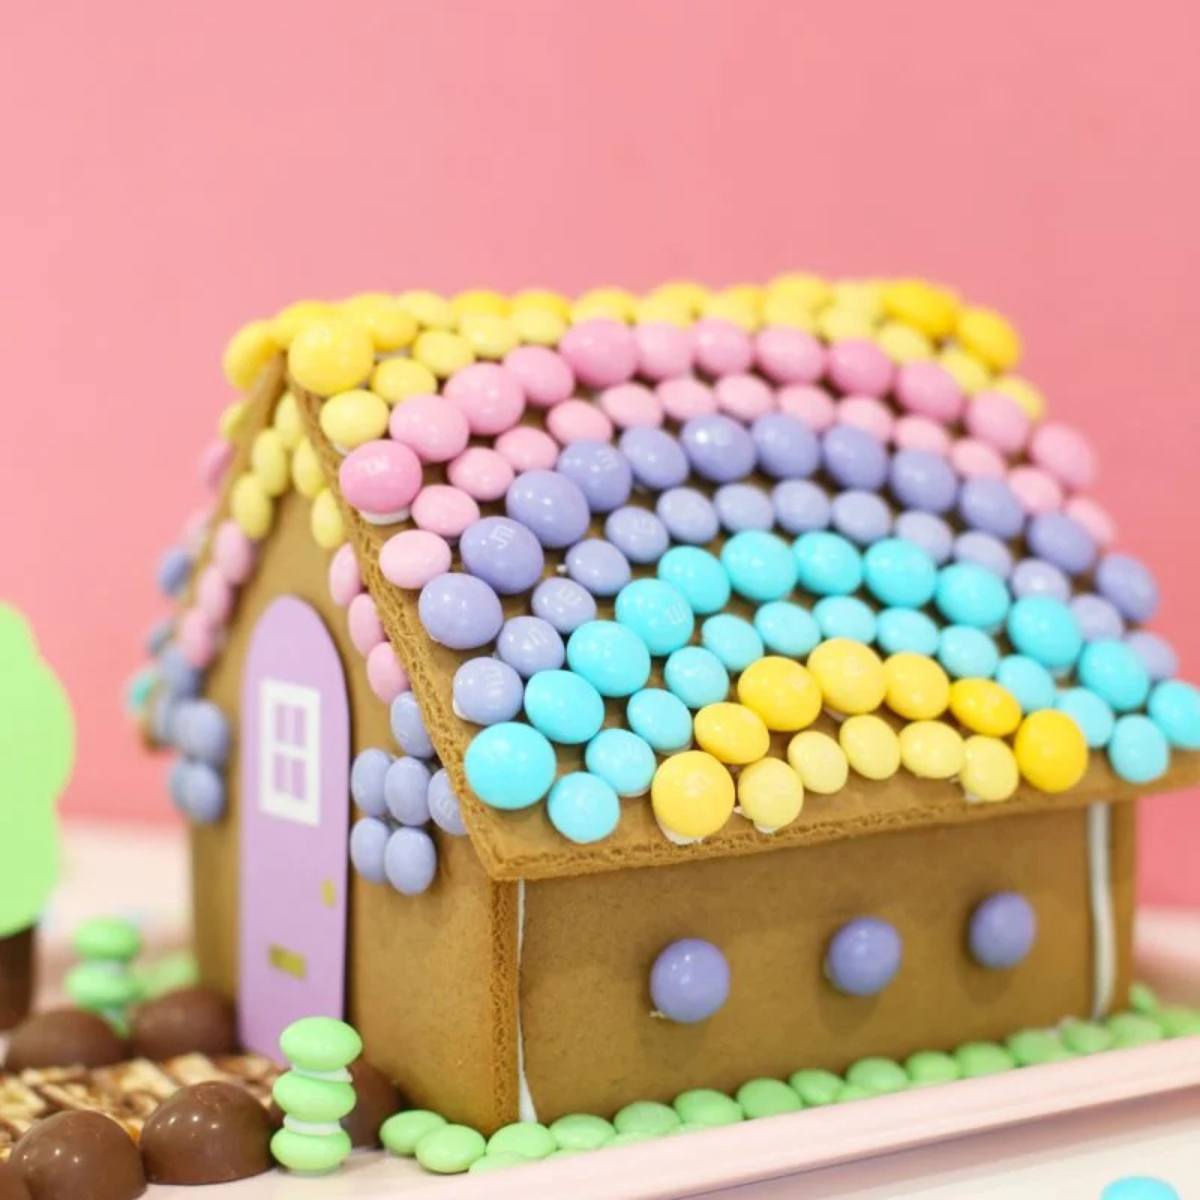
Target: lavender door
x: 295, y: 798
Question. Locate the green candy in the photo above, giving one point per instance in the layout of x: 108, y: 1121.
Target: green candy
x: 983, y: 1058
x: 647, y: 1117
x: 101, y: 985
x: 320, y: 1044
x: 561, y: 1154
x: 1034, y: 1047
x: 310, y: 1153
x: 853, y: 1091
x: 451, y: 1149
x: 1086, y: 1037
x: 495, y: 1162
x: 927, y: 1067
x: 167, y: 974
x: 815, y: 1087
x: 401, y: 1132
x: 767, y: 1098
x: 634, y: 1136
x: 1133, y: 1029
x: 880, y: 1075
x: 107, y: 939
x: 1142, y: 998
x: 582, y: 1131
x: 704, y: 1106
x: 529, y: 1139
x: 309, y: 1099
x: 1178, y: 1022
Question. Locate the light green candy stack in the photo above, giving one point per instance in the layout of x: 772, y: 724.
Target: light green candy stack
x: 315, y: 1095
x: 105, y: 982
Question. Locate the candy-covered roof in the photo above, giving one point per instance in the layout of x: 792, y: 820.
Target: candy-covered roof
x: 711, y: 571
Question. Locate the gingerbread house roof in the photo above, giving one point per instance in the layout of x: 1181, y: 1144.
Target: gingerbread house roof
x: 833, y: 421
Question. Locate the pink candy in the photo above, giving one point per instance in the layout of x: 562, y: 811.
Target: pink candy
x: 744, y: 397
x: 578, y: 421
x: 721, y: 347
x: 812, y: 404
x: 1094, y: 518
x: 920, y: 433
x: 366, y: 630
x: 233, y: 552
x: 545, y: 375
x: 868, y: 414
x: 1038, y: 491
x: 860, y: 367
x: 999, y: 420
x: 789, y: 355
x: 387, y: 678
x: 412, y: 558
x: 214, y: 596
x: 489, y: 395
x: 528, y: 449
x: 929, y: 390
x: 664, y: 351
x: 683, y: 399
x: 435, y: 430
x: 601, y: 352
x: 482, y: 473
x: 196, y: 638
x: 974, y: 459
x: 345, y: 580
x: 444, y: 510
x: 1065, y: 453
x: 629, y: 405
x: 380, y: 479
x: 214, y: 462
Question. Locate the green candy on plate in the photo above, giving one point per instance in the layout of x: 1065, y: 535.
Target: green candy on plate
x: 928, y: 1067
x: 582, y: 1131
x: 976, y: 1059
x: 401, y: 1132
x: 646, y: 1116
x: 815, y: 1087
x: 767, y: 1098
x: 310, y: 1153
x: 450, y: 1149
x: 880, y: 1075
x: 705, y: 1106
x: 529, y: 1139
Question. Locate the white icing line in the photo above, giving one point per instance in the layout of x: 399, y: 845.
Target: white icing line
x: 1104, y: 937
x: 525, y: 1108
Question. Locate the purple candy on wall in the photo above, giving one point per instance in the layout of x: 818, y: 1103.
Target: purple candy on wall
x: 863, y: 956
x: 368, y: 839
x: 405, y: 786
x: 367, y: 773
x: 1002, y: 931
x: 410, y: 861
x: 689, y: 981
x: 408, y: 726
x: 444, y: 807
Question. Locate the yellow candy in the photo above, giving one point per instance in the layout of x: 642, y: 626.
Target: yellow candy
x: 248, y: 351
x: 541, y: 299
x: 479, y: 301
x: 443, y: 352
x: 331, y: 355
x: 1051, y: 751
x: 781, y: 308
x: 396, y: 379
x: 987, y: 335
x: 770, y: 794
x: 306, y: 470
x: 326, y: 519
x: 269, y: 462
x: 871, y: 746
x: 780, y: 691
x: 819, y: 761
x: 844, y: 324
x: 288, y: 422
x: 863, y: 296
x: 849, y: 674
x: 289, y: 321
x: 917, y: 686
x: 663, y: 309
x: 538, y: 326
x: 614, y: 303
x: 229, y: 423
x: 732, y: 733
x: 930, y: 310
x: 1024, y: 393
x: 351, y: 418
x: 692, y: 795
x: 489, y: 336
x: 809, y: 291
x: 969, y: 373
x: 735, y: 306
x: 989, y: 770
x: 428, y: 309
x: 931, y: 749
x: 691, y: 295
x: 903, y: 344
x: 251, y: 507
x: 389, y: 322
x: 983, y: 706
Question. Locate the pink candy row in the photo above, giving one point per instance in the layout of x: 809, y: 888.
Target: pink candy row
x: 202, y: 625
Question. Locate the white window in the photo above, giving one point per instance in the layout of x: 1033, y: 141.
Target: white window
x: 289, y: 764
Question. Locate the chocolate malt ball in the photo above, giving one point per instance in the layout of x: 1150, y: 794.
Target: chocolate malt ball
x: 64, y: 1037
x: 376, y: 1099
x: 79, y: 1156
x: 192, y: 1020
x: 12, y: 1186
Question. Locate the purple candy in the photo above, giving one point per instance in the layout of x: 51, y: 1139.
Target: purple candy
x: 602, y: 472
x: 991, y: 506
x: 1097, y: 618
x: 443, y: 805
x: 460, y: 611
x: 863, y: 517
x: 863, y: 956
x: 931, y: 533
x: 408, y: 726
x: 551, y: 505
x: 487, y: 691
x: 179, y: 678
x: 1129, y: 584
x: 743, y: 506
x: 199, y: 790
x: 637, y: 533
x: 599, y: 566
x: 1033, y: 577
x: 1002, y: 931
x: 853, y: 458
x: 368, y: 842
x: 410, y: 861
x: 503, y: 553
x: 405, y: 787
x: 530, y: 645
x: 1157, y: 655
x: 159, y: 637
x: 786, y: 447
x: 1063, y: 541
x: 718, y: 447
x: 689, y: 515
x: 985, y: 551
x: 564, y: 603
x: 801, y: 506
x: 201, y: 731
x: 922, y: 480
x: 174, y: 570
x: 689, y: 981
x: 656, y: 458
x: 367, y: 775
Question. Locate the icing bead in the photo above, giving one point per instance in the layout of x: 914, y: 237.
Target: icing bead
x: 503, y: 553
x: 683, y: 399
x: 1138, y: 749
x: 638, y: 533
x: 861, y: 516
x: 622, y: 759
x: 928, y: 389
x: 819, y: 761
x: 661, y: 719
x: 1093, y: 518
x: 983, y: 706
x: 800, y: 506
x: 443, y: 510
x: 529, y: 645
x: 380, y: 479
x: 1051, y: 751
x: 581, y: 1131
x: 827, y: 564
x: 1037, y: 491
x: 487, y: 691
x: 696, y: 676
x: 1065, y: 453
x: 863, y: 956
x: 732, y: 639
x: 744, y: 397
x: 989, y: 771
x: 900, y: 629
x: 985, y: 333
x: 353, y: 418
x: 859, y: 366
x: 330, y: 355
x: 655, y: 457
x: 1174, y: 707
x: 658, y: 612
x: 815, y: 1087
x: 899, y: 572
x: 760, y: 565
x: 598, y: 566
x: 368, y: 840
x: 870, y: 746
x: 1044, y: 629
x: 845, y: 617
x: 1029, y: 682
x: 689, y: 981
x: 786, y: 628
x: 601, y: 472
x: 868, y: 414
x: 386, y: 676
x: 692, y: 795
x: 991, y: 506
x: 976, y: 460
x: 931, y: 750
x: 1032, y: 577
x: 721, y: 347
x: 743, y: 506
x: 965, y: 652
x: 849, y: 674
x: 1062, y: 541
x: 923, y: 480
x: 544, y: 376
x: 481, y: 473
x: 984, y: 550
x: 551, y: 505
x: 408, y: 726
x: 583, y: 808
x: 698, y: 575
x: 876, y: 1076
x: 718, y: 448
x: 770, y: 794
x: 977, y: 1059
x: 234, y: 553
x: 998, y: 420
x: 563, y: 603
x: 460, y: 611
x: 405, y: 791
x: 731, y: 733
x: 929, y: 532
x: 688, y: 515
x: 1128, y: 584
x: 610, y: 657
x: 812, y: 405
x: 601, y: 352
x: 1090, y: 713
x: 409, y: 559
x: 854, y: 459
x: 664, y: 351
x: 1115, y: 673
x: 510, y: 765
x: 631, y: 405
x: 916, y: 686
x: 527, y: 449
x: 578, y: 421
x: 366, y: 630
x: 971, y: 595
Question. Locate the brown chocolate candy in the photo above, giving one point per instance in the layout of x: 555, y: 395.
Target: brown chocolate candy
x: 207, y: 1133
x: 377, y: 1099
x: 16, y: 976
x: 192, y: 1020
x: 12, y: 1186
x: 79, y: 1156
x: 64, y: 1037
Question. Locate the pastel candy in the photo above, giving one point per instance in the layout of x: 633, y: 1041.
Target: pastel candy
x: 854, y: 458
x: 718, y: 448
x: 551, y: 505
x: 655, y: 458
x: 563, y: 603
x: 527, y: 449
x: 801, y: 505
x: 974, y: 459
x: 922, y: 480
x: 743, y: 506
x: 578, y: 420
x: 788, y: 355
x: 867, y: 413
x: 385, y: 673
x: 234, y: 553
x: 488, y: 395
x: 929, y: 390
x: 1093, y: 518
x: 683, y: 399
x: 664, y: 351
x: 744, y: 397
x: 529, y: 645
x: 460, y: 611
x: 1156, y: 653
x: 434, y: 430
x: 366, y: 630
x: 999, y: 420
x: 721, y: 347
x: 444, y: 510
x: 487, y: 691
x: 1128, y: 584
x: 545, y: 377
x: 786, y: 447
x: 859, y: 366
x: 1064, y: 453
x: 503, y: 553
x: 411, y: 558
x: 510, y: 765
x: 1037, y: 490
x: 920, y: 433
x: 1175, y: 708
x: 631, y: 405
x: 810, y: 404
x: 482, y: 473
x: 1063, y: 541
x: 601, y: 352
x: 583, y: 807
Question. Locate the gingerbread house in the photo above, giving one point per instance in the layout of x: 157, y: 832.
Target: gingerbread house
x: 592, y: 700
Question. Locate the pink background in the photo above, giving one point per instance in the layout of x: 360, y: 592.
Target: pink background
x: 168, y: 178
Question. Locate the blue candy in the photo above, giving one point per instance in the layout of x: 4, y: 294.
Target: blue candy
x: 845, y: 617
x: 1115, y: 673
x: 510, y: 765
x: 658, y: 612
x: 583, y: 808
x: 1138, y: 749
x: 787, y: 448
x: 967, y: 653
x: 1139, y: 1187
x: 760, y: 565
x: 1028, y: 680
x: 1090, y: 713
x: 698, y: 575
x: 898, y: 629
x: 967, y: 594
x: 900, y: 573
x: 662, y: 719
x: 199, y: 791
x: 827, y: 564
x: 623, y: 760
x: 1174, y: 707
x: 609, y: 656
x: 697, y: 676
x: 564, y: 706
x: 787, y: 629
x: 733, y: 640
x: 1045, y: 630
x: 929, y: 532
x: 179, y: 678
